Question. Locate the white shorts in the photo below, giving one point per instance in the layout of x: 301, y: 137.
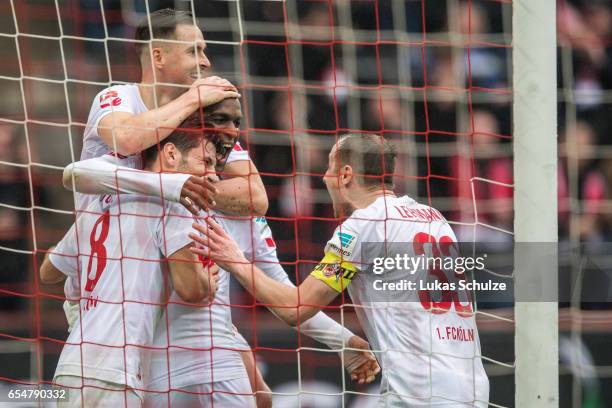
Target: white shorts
x: 89, y: 392
x: 221, y: 394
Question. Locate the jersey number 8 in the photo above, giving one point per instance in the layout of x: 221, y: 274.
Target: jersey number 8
x: 99, y: 250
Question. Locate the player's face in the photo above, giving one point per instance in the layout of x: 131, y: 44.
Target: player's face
x: 223, y: 126
x: 200, y: 160
x: 186, y: 61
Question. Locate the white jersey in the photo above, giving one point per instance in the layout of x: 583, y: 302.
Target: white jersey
x: 115, y: 251
x: 429, y: 356
x: 120, y: 98
x: 197, y: 345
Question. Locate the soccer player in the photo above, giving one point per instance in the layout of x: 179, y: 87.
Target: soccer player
x: 124, y: 120
x: 423, y: 363
x: 119, y: 251
x: 196, y: 348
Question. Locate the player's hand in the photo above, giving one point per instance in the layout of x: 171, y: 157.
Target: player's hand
x: 198, y: 193
x: 72, y: 312
x: 211, y: 90
x: 217, y: 245
x: 362, y: 365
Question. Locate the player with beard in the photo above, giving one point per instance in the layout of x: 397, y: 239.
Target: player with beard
x: 196, y: 361
x: 120, y: 251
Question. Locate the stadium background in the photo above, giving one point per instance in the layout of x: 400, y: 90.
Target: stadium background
x: 434, y: 76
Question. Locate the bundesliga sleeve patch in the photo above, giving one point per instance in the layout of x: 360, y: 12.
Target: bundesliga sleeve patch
x: 334, y: 272
x: 342, y: 243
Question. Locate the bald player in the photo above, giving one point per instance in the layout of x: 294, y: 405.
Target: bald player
x: 429, y: 350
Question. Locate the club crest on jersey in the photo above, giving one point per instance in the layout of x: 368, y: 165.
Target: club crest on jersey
x: 114, y: 99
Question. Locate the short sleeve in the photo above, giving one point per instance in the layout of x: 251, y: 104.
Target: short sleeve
x: 345, y: 243
x: 118, y: 98
x: 65, y: 256
x: 173, y: 232
x: 341, y: 260
x: 265, y: 246
x: 237, y: 154
x: 266, y: 257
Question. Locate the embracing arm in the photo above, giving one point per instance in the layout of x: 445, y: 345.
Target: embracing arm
x: 242, y: 191
x: 293, y: 305
x: 127, y: 134
x: 320, y: 327
x: 101, y: 175
x: 49, y: 274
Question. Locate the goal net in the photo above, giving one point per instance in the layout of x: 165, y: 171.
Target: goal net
x: 434, y: 77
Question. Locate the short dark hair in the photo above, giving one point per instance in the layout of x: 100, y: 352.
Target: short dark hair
x: 187, y: 136
x: 163, y: 25
x: 371, y: 156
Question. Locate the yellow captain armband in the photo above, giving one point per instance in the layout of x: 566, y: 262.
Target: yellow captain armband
x: 335, y: 272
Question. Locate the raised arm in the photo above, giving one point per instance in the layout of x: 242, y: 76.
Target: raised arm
x: 128, y: 134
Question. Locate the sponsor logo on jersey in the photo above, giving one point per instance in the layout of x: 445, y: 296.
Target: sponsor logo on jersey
x: 270, y: 242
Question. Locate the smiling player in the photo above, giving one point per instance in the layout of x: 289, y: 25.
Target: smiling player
x: 422, y: 364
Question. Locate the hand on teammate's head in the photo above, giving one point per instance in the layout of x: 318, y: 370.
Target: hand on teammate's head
x: 211, y: 90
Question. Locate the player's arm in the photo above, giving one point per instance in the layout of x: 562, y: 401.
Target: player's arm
x: 291, y: 304
x: 242, y: 192
x: 62, y: 260
x: 127, y: 134
x: 191, y: 281
x: 358, y: 359
x: 263, y: 393
x: 101, y: 175
x: 320, y: 327
x: 49, y: 274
